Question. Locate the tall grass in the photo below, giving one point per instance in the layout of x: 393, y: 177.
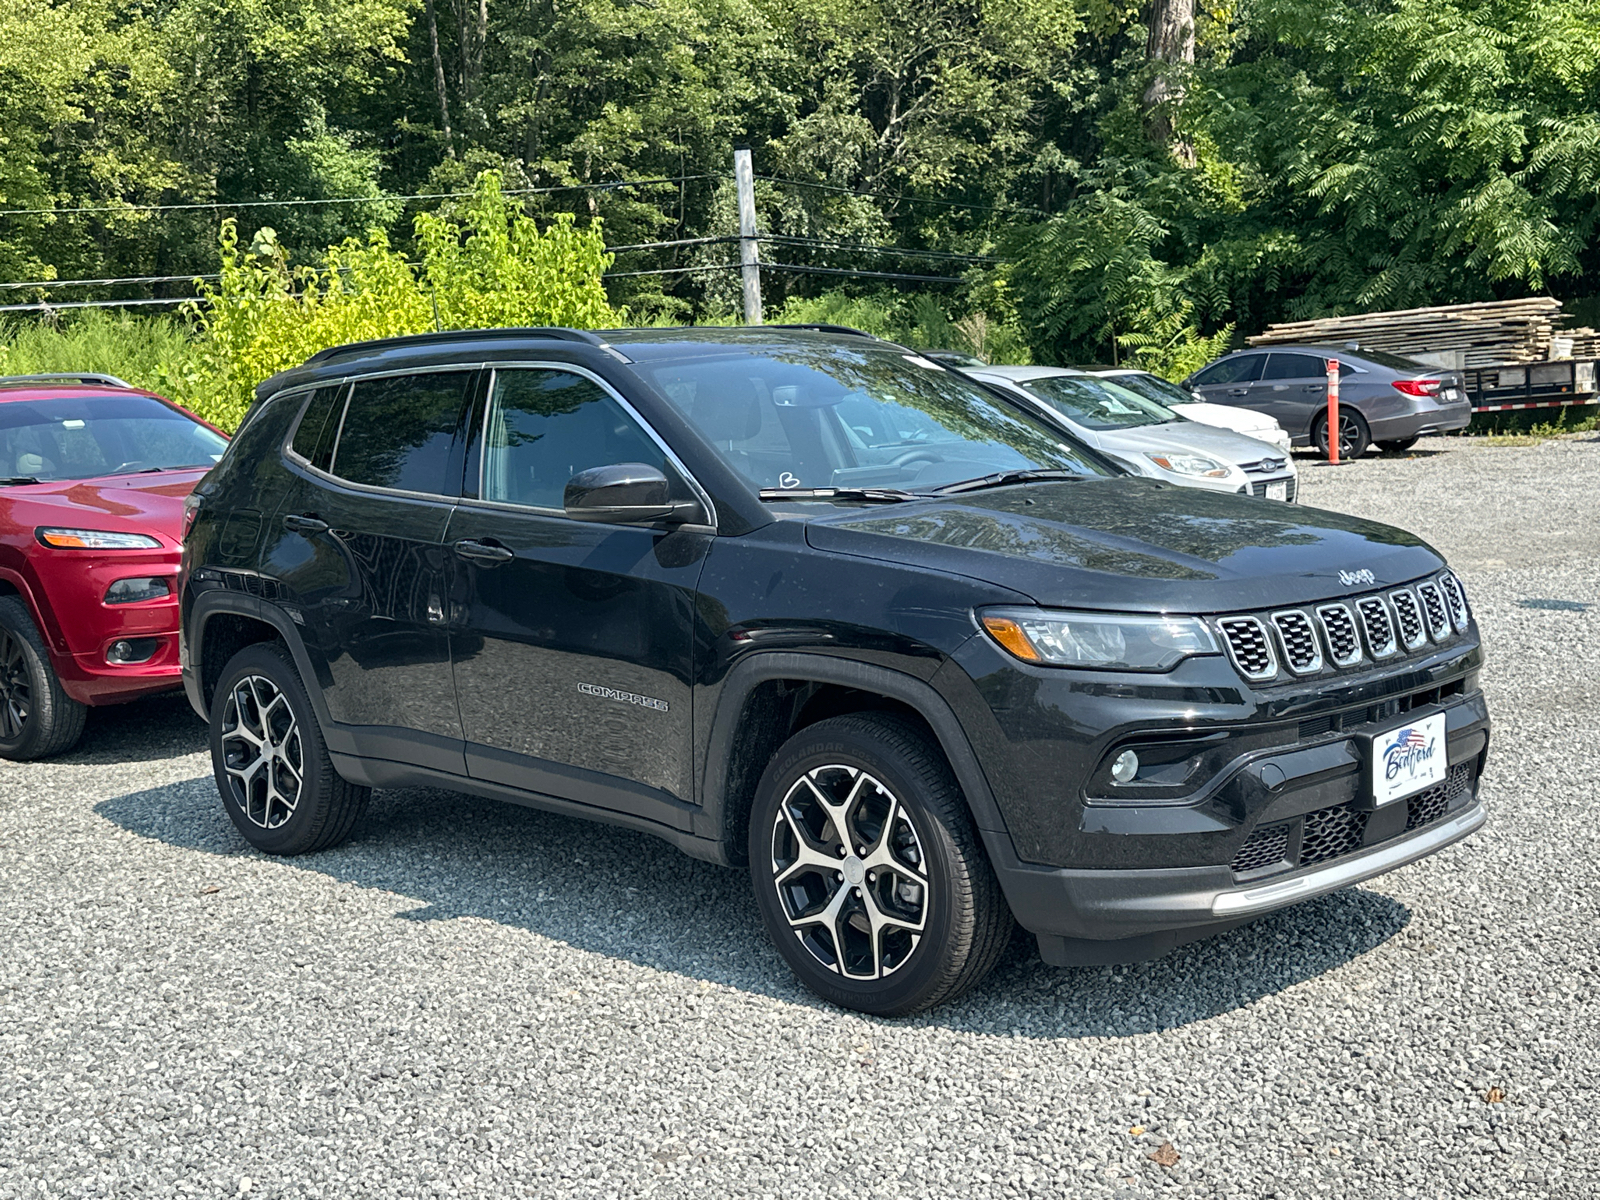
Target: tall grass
x: 157, y: 353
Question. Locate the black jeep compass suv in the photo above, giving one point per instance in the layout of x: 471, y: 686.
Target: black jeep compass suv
x: 806, y: 601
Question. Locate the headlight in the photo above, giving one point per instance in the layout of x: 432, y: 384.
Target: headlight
x: 95, y: 539
x: 1105, y: 641
x: 1186, y: 462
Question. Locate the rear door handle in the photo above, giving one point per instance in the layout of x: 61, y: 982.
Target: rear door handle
x: 483, y: 552
x: 1238, y: 391
x: 305, y: 523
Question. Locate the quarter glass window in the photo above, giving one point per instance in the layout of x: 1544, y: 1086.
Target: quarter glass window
x: 313, y: 437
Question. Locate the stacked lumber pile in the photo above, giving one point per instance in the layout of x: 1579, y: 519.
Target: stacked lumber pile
x: 1500, y: 331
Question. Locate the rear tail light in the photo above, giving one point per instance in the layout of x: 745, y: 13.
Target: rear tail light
x: 1418, y: 387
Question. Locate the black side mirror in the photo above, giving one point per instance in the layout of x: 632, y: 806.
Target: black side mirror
x: 623, y: 493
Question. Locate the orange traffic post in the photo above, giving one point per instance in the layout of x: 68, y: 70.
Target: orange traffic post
x: 1333, y: 411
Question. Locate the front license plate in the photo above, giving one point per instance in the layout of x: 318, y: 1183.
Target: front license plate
x: 1407, y: 759
x: 1279, y: 490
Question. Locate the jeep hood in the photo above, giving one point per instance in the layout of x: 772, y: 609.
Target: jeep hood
x: 1129, y: 544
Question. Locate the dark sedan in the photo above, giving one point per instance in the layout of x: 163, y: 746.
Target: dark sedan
x: 1384, y: 399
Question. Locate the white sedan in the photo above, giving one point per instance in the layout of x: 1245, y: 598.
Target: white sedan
x: 1189, y: 406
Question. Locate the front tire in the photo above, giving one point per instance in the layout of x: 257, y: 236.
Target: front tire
x: 867, y: 869
x: 272, y: 767
x: 37, y: 718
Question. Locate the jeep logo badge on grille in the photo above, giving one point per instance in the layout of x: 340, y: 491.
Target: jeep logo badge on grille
x: 1361, y: 578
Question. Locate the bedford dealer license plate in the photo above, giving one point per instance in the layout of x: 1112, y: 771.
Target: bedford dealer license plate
x: 1278, y: 490
x: 1408, y: 759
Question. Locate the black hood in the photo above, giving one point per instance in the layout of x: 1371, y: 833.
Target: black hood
x: 1135, y: 544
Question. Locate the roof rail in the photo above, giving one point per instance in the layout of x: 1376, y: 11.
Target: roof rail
x: 830, y: 329
x: 459, y: 335
x: 92, y: 378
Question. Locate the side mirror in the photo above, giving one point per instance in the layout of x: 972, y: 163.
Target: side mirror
x: 623, y: 493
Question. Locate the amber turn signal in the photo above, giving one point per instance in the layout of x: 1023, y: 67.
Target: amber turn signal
x: 1009, y: 634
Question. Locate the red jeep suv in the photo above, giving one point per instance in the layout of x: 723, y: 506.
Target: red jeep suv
x: 93, y: 478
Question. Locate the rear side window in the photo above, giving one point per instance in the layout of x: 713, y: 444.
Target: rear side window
x: 313, y: 437
x: 1295, y: 366
x: 1243, y: 368
x: 398, y: 432
x: 544, y: 426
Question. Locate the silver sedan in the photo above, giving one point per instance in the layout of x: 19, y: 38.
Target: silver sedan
x: 1147, y: 437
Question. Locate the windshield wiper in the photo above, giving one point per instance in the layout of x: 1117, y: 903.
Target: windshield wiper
x: 1004, y: 479
x: 873, y: 495
x: 17, y: 480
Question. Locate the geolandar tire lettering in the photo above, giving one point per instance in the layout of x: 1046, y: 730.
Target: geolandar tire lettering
x: 867, y: 870
x: 271, y: 765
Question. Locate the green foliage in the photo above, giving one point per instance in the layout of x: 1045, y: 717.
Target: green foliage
x: 492, y: 267
x: 149, y: 352
x: 916, y: 320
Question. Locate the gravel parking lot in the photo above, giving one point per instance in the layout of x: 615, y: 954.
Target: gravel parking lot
x: 477, y: 999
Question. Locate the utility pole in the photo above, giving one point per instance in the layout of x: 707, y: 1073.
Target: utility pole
x: 749, y: 257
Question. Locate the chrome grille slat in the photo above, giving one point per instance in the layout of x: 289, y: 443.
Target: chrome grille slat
x: 1301, y: 650
x: 1408, y: 614
x: 1455, y: 597
x: 1249, y: 647
x: 1433, y: 611
x: 1339, y: 627
x: 1375, y: 623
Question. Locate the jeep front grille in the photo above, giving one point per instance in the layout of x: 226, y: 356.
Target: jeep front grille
x: 1345, y: 634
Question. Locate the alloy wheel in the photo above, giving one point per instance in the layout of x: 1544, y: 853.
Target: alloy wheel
x: 16, y: 691
x: 262, y: 752
x: 850, y: 872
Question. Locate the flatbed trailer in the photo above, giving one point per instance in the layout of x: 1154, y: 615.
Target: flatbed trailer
x: 1509, y: 387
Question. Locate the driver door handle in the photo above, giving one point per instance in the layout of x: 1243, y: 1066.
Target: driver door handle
x: 1238, y: 391
x: 308, y: 523
x: 483, y: 552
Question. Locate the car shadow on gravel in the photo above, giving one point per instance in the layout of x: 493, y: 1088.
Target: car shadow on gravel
x: 623, y: 894
x: 156, y: 727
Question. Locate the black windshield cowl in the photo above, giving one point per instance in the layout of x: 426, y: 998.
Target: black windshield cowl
x: 871, y: 495
x: 17, y: 480
x: 1003, y: 479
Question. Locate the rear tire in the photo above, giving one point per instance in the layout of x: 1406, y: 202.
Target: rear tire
x: 272, y: 767
x: 1354, y: 436
x: 37, y: 718
x: 1397, y: 447
x: 868, y: 871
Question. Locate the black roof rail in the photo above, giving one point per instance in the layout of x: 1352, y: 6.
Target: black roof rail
x: 830, y: 329
x: 92, y: 378
x: 446, y: 336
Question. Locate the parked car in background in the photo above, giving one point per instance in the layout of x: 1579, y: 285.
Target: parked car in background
x: 93, y: 477
x: 1189, y: 406
x: 1384, y: 399
x: 1146, y: 436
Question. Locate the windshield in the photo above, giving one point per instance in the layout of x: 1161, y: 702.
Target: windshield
x: 81, y: 437
x: 1098, y: 403
x: 824, y: 416
x: 1153, y: 387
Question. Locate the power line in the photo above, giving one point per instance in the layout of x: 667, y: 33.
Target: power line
x: 804, y: 270
x: 897, y: 196
x: 382, y: 198
x: 867, y: 248
x: 43, y: 307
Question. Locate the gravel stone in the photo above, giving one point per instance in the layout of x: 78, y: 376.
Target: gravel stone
x: 475, y: 999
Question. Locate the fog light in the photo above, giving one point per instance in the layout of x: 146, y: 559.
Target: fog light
x: 131, y: 591
x: 132, y: 650
x: 1126, y: 767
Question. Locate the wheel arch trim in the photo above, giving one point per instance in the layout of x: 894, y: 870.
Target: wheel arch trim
x: 717, y: 818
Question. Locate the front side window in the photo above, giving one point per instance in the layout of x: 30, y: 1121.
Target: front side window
x: 1242, y: 368
x: 1153, y: 387
x: 81, y: 437
x: 1098, y: 403
x: 398, y: 431
x: 819, y: 415
x: 544, y: 426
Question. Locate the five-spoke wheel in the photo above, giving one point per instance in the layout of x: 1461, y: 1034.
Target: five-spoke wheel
x: 261, y: 751
x: 272, y: 767
x: 867, y: 869
x: 850, y: 871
